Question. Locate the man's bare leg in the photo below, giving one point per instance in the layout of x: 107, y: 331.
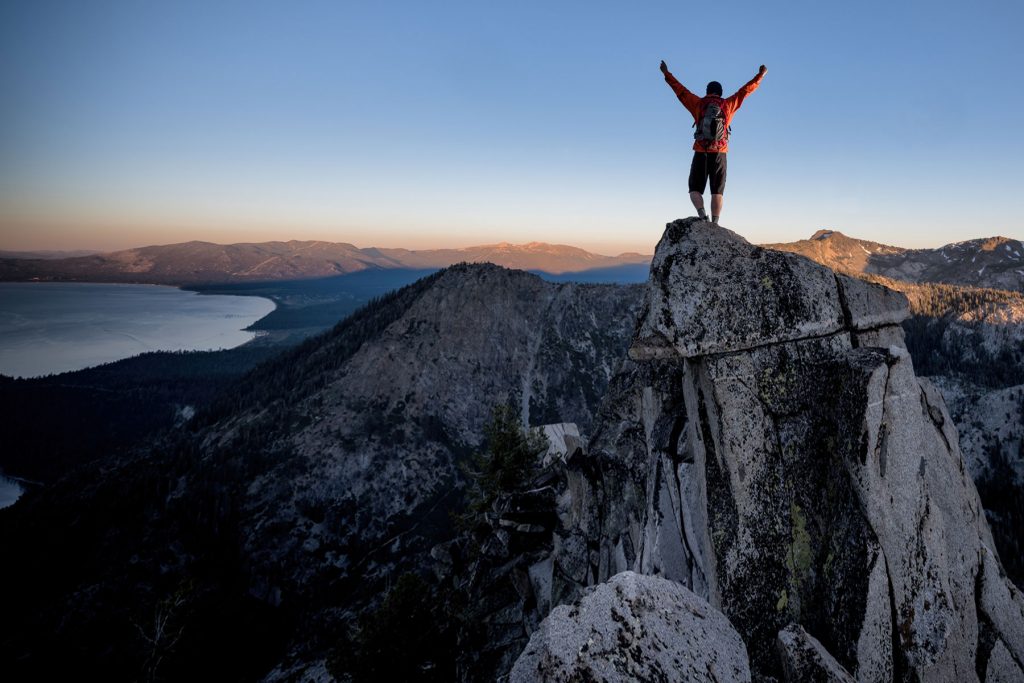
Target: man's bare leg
x: 716, y: 206
x: 698, y: 203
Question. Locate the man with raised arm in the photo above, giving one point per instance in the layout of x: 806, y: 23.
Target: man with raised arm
x: 712, y: 116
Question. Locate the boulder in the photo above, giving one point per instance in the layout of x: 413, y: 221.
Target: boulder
x: 634, y: 628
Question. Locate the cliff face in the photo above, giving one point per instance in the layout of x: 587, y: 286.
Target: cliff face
x: 770, y: 447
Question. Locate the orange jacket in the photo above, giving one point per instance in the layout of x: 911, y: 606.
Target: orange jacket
x: 695, y: 105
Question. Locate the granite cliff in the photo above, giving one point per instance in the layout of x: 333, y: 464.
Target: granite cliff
x: 769, y: 447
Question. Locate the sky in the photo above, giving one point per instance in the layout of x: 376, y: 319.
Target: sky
x: 450, y: 124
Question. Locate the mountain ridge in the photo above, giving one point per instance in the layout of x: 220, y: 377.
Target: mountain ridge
x: 320, y: 476
x: 995, y: 262
x: 201, y: 262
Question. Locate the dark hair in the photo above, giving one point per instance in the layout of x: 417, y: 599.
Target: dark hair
x: 714, y: 88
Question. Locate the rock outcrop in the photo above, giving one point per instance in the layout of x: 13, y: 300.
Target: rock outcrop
x: 718, y: 293
x: 770, y: 447
x: 634, y: 628
x: 804, y: 659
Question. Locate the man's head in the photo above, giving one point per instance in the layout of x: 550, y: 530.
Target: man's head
x: 714, y: 88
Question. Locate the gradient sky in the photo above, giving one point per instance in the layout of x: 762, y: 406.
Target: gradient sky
x: 457, y: 123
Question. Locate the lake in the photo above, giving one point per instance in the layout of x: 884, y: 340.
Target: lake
x: 10, y: 491
x: 52, y: 327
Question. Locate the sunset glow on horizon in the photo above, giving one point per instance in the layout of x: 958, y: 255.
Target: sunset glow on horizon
x: 415, y: 126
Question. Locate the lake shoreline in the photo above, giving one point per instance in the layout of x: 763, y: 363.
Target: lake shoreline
x: 11, y: 490
x: 206, y: 289
x: 49, y: 328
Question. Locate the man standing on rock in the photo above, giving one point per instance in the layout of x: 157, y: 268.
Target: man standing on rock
x: 711, y: 115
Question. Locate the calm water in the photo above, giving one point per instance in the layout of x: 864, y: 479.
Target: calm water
x: 51, y: 327
x: 10, y: 490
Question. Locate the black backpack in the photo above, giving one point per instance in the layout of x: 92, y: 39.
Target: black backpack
x: 711, y: 126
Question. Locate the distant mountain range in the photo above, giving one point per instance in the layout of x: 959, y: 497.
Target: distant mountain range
x: 991, y: 262
x: 46, y: 254
x: 191, y: 263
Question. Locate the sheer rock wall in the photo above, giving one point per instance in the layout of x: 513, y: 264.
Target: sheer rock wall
x: 770, y: 447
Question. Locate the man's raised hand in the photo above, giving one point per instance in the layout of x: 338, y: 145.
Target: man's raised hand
x: 763, y: 70
x: 664, y: 67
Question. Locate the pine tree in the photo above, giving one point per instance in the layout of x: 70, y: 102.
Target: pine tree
x: 508, y: 461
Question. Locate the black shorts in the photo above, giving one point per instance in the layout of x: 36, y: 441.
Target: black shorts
x: 708, y: 165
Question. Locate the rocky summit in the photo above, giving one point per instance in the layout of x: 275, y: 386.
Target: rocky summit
x: 769, y: 447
